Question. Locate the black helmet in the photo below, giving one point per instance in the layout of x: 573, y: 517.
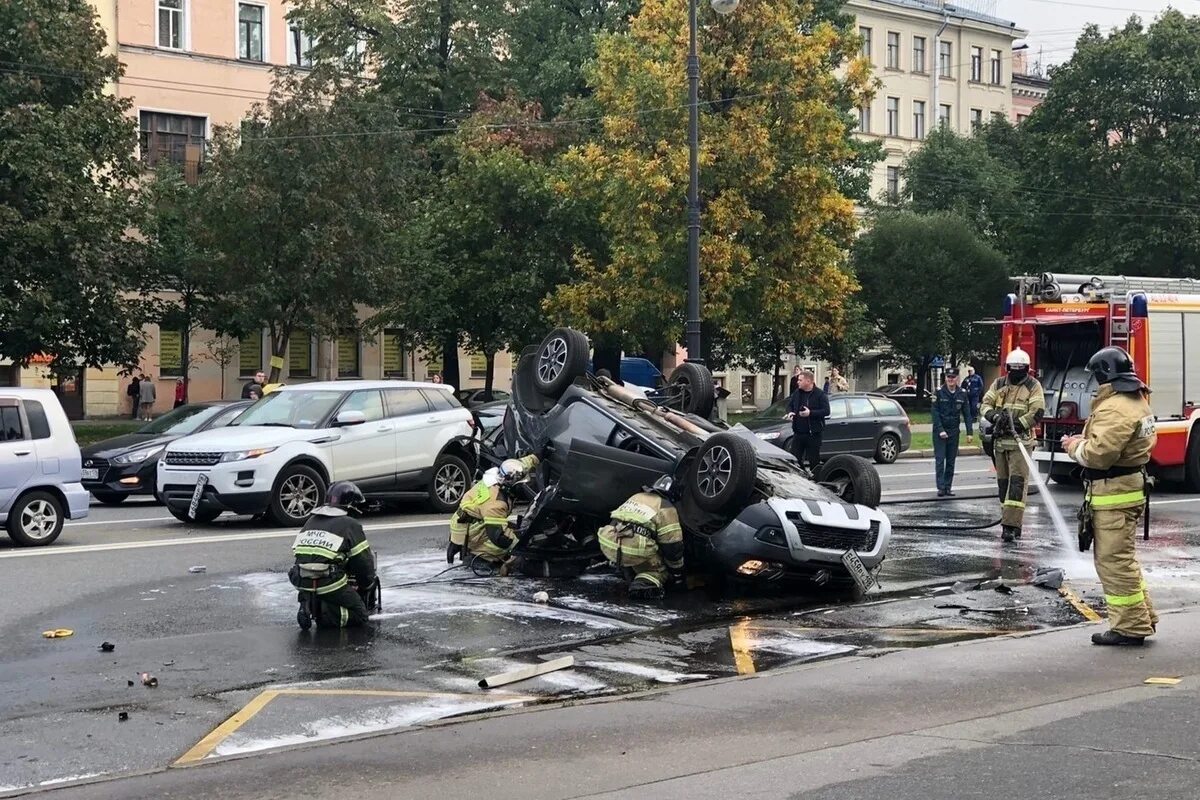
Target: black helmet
x: 1114, y: 365
x: 345, y: 495
x: 664, y: 486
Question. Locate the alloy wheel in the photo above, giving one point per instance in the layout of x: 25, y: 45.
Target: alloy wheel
x: 299, y: 496
x: 552, y: 360
x: 39, y: 519
x: 715, y: 471
x: 888, y: 448
x: 450, y: 484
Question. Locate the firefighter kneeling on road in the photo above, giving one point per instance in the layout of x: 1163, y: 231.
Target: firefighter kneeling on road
x: 1113, y: 451
x: 334, y: 563
x: 1013, y: 405
x: 479, y: 529
x: 644, y: 539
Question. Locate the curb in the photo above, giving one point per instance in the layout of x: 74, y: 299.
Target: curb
x: 962, y: 451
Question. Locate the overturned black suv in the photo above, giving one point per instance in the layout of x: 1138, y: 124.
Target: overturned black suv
x: 748, y: 508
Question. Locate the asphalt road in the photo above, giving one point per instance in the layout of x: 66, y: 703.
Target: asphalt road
x: 234, y: 676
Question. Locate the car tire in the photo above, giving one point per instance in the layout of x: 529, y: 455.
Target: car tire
x: 693, y: 385
x: 36, y: 519
x: 110, y: 498
x: 561, y: 358
x: 853, y: 479
x: 298, y: 491
x: 721, y: 477
x: 203, y: 515
x: 887, y: 449
x: 450, y: 481
x: 1191, y: 468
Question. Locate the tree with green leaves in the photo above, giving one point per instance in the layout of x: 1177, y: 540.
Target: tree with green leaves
x: 67, y: 177
x: 926, y: 278
x: 295, y: 208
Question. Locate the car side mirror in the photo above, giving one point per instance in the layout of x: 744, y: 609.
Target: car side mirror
x: 348, y: 418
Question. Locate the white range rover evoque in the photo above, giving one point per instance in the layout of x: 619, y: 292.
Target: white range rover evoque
x: 395, y: 439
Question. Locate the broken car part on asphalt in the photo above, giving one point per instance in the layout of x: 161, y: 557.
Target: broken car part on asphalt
x: 524, y: 673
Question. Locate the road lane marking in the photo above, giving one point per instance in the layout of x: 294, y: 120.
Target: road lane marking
x: 743, y: 647
x: 203, y: 748
x: 117, y: 521
x: 247, y: 536
x: 1083, y: 608
x: 925, y: 474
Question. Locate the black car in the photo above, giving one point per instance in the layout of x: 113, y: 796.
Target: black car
x: 474, y: 398
x: 867, y: 425
x: 748, y: 509
x: 908, y: 396
x: 116, y: 468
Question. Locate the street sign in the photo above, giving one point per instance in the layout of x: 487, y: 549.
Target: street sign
x: 938, y: 362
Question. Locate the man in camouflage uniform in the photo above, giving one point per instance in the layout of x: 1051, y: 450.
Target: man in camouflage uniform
x: 1013, y: 405
x: 479, y: 528
x: 1114, y: 450
x: 644, y: 540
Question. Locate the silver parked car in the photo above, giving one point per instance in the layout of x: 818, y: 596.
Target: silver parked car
x: 39, y: 467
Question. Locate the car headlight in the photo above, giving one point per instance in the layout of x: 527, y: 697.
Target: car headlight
x: 246, y: 455
x: 768, y: 436
x: 138, y: 456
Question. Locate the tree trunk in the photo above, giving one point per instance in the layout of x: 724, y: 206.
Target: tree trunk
x: 185, y: 356
x: 450, y: 373
x: 777, y: 380
x: 489, y: 377
x: 279, y: 343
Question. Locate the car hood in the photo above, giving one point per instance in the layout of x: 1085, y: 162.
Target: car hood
x: 117, y: 445
x: 758, y: 423
x: 245, y: 437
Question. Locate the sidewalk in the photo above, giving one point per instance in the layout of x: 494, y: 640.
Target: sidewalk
x: 1027, y: 717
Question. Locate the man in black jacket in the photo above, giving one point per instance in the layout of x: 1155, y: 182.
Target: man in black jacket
x: 334, y: 562
x: 808, y: 410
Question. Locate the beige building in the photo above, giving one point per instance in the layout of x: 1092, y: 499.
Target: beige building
x: 937, y: 65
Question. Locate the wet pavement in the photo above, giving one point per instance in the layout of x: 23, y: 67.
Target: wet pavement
x: 236, y: 676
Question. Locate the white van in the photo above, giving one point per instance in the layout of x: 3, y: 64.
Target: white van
x: 39, y: 467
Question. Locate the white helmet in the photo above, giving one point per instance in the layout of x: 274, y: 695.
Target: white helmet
x: 1017, y: 358
x: 512, y: 471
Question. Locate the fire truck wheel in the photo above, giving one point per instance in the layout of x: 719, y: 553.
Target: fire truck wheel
x: 1191, y: 477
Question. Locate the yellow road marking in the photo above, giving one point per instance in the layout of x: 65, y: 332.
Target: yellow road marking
x: 1083, y: 608
x: 209, y: 743
x: 1163, y: 681
x: 739, y: 639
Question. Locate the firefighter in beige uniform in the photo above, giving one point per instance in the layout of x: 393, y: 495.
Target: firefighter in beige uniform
x: 1113, y: 450
x: 644, y: 539
x: 1013, y: 405
x: 480, y: 528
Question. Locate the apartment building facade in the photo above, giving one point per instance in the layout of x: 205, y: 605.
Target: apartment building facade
x: 1029, y: 85
x: 938, y: 65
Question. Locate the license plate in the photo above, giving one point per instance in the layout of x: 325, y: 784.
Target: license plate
x: 90, y: 474
x: 201, y: 482
x: 858, y: 570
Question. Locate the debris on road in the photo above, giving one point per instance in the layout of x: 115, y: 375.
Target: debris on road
x: 58, y: 633
x: 1049, y: 577
x: 541, y: 597
x: 1003, y: 588
x: 169, y: 663
x: 1001, y: 610
x: 123, y: 716
x: 1162, y: 681
x: 149, y: 680
x: 962, y: 587
x: 198, y: 569
x: 107, y: 647
x: 129, y: 683
x: 524, y: 673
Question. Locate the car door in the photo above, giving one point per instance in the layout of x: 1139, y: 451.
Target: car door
x: 863, y: 427
x: 415, y: 423
x: 18, y: 459
x: 366, y: 453
x: 837, y: 429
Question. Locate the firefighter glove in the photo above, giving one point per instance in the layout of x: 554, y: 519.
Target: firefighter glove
x: 453, y: 550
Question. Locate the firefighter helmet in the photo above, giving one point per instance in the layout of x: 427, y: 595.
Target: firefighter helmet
x: 1017, y: 358
x: 512, y: 472
x: 1114, y: 365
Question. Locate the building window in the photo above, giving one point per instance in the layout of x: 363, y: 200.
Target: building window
x: 893, y: 50
x: 945, y: 63
x: 748, y: 383
x: 918, y: 54
x: 171, y: 24
x: 355, y: 55
x: 300, y: 46
x: 395, y: 355
x: 976, y: 118
x: 170, y: 353
x: 348, y: 354
x: 170, y: 138
x: 478, y: 366
x: 250, y: 354
x: 996, y: 69
x: 300, y: 355
x: 865, y: 33
x: 944, y: 116
x: 918, y: 119
x: 893, y: 184
x: 250, y: 32
x: 976, y: 64
x: 893, y: 116
x: 864, y: 119
x: 997, y: 116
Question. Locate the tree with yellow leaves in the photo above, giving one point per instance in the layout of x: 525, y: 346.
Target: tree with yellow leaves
x: 777, y: 157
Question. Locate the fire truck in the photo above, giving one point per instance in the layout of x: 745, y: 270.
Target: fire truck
x: 1062, y: 320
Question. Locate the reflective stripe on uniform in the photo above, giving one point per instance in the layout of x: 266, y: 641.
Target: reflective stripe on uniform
x: 672, y: 528
x: 319, y: 552
x: 650, y: 577
x: 501, y: 521
x: 345, y: 614
x: 1104, y: 500
x: 630, y: 544
x: 340, y: 583
x: 1134, y: 599
x: 1014, y: 503
x: 359, y: 548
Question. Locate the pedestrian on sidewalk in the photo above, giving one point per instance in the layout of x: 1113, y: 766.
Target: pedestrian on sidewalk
x: 252, y: 390
x: 135, y: 396
x: 180, y: 392
x: 1113, y: 451
x: 950, y: 405
x: 795, y: 384
x: 839, y: 382
x: 973, y: 386
x: 807, y: 410
x: 147, y: 394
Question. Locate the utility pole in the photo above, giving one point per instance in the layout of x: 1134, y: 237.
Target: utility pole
x: 936, y: 111
x: 692, y: 330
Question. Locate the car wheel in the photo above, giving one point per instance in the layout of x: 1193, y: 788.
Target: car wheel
x: 35, y: 520
x: 561, y: 358
x: 888, y: 449
x: 691, y: 388
x: 110, y: 498
x: 203, y: 515
x: 298, y: 492
x: 1191, y: 474
x: 853, y: 479
x: 721, y: 477
x: 450, y: 481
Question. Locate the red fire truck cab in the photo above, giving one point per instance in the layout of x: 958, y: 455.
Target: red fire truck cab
x: 1062, y: 320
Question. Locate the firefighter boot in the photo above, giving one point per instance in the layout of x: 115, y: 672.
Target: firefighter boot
x: 1008, y: 533
x: 644, y: 588
x: 303, y: 619
x: 1111, y: 638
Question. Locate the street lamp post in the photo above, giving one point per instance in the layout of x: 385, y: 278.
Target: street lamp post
x: 692, y: 329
